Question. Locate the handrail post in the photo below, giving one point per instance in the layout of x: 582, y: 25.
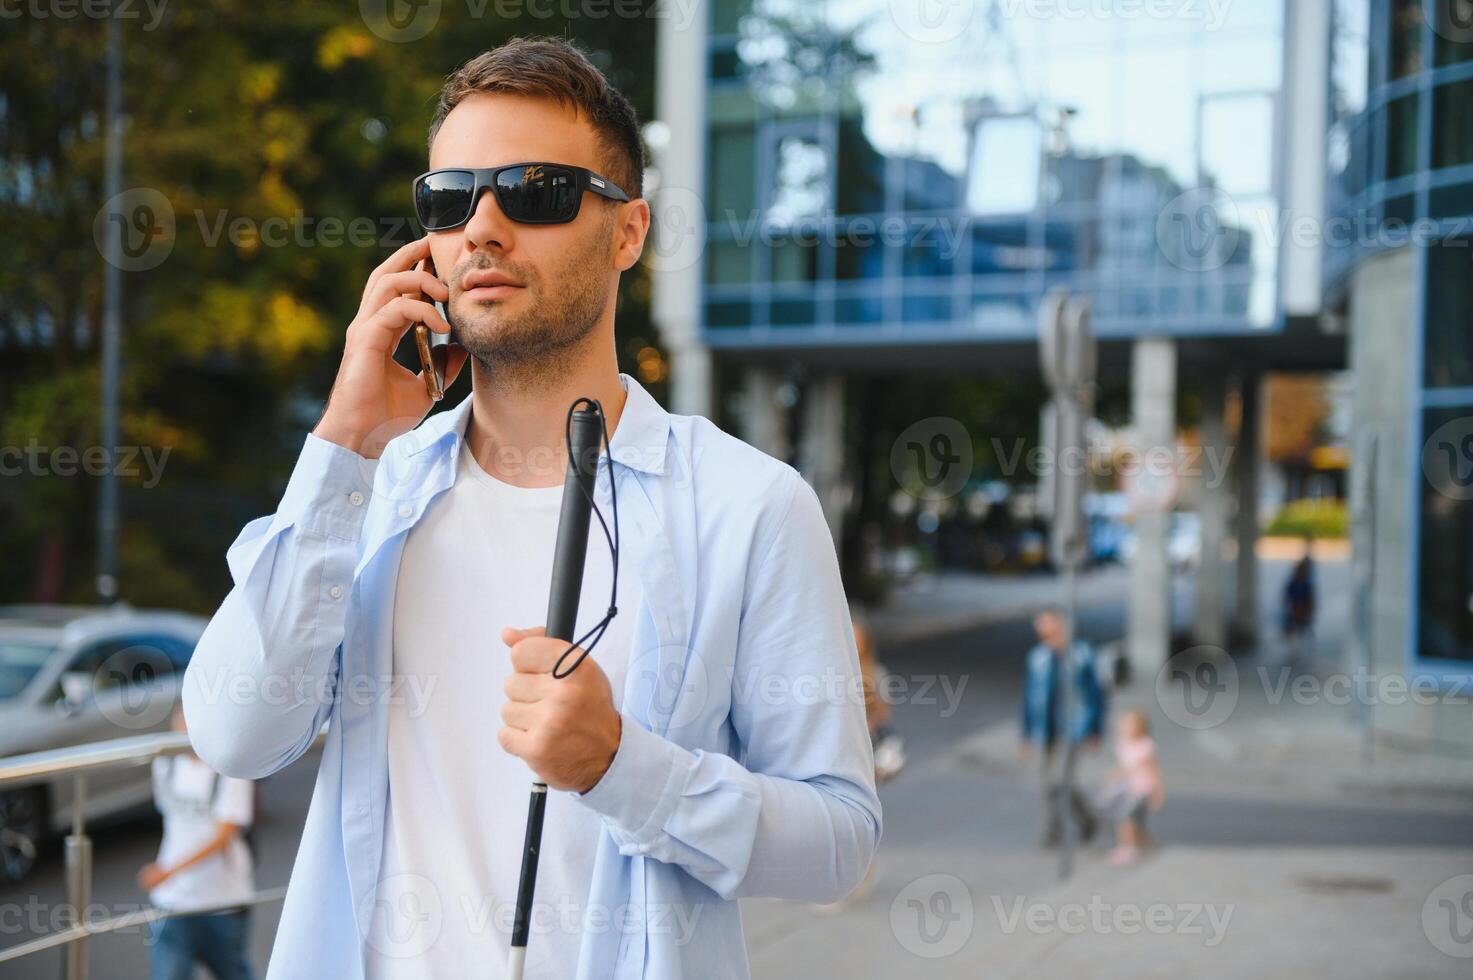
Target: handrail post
x: 78, y: 879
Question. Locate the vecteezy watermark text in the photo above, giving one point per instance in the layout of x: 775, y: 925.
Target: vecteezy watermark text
x: 34, y: 459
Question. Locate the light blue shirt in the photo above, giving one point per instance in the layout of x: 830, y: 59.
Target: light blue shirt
x: 744, y: 769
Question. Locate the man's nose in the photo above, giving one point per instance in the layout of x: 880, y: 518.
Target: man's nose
x: 488, y: 227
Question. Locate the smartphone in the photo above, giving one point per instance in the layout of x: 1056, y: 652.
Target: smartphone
x: 433, y: 347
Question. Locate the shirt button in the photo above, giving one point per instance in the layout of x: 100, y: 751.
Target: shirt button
x: 336, y: 591
x: 405, y: 510
x: 355, y: 498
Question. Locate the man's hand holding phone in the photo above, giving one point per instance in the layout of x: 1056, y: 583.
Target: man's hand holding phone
x: 374, y: 398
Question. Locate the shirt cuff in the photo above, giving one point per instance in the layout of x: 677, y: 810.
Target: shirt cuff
x: 640, y: 788
x: 329, y: 490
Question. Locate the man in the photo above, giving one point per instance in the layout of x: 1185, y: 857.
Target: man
x: 203, y: 862
x: 698, y: 755
x: 1048, y: 669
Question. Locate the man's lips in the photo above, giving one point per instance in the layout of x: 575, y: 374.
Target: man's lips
x: 486, y: 278
x: 484, y: 284
x: 493, y: 291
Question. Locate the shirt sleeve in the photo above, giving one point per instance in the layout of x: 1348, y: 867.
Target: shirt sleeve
x: 235, y: 801
x: 798, y: 818
x: 264, y: 675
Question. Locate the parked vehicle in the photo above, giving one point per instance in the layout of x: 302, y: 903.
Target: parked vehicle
x: 71, y: 675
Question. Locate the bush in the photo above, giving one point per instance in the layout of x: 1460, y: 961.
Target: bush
x: 1311, y: 518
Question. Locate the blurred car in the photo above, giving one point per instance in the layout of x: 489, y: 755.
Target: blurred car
x: 70, y: 675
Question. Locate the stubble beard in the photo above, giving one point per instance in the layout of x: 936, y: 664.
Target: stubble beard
x: 530, y: 349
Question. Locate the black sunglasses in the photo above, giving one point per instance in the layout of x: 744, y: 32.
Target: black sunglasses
x: 531, y: 193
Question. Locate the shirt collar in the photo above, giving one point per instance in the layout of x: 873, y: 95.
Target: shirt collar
x: 639, y: 441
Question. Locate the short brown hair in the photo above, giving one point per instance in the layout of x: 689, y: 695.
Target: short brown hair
x: 553, y: 68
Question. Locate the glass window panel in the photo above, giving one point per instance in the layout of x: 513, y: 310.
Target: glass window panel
x: 925, y: 307
x: 927, y: 187
x: 859, y: 309
x: 1238, y: 144
x: 1451, y: 202
x: 1396, y: 214
x: 731, y: 167
x: 1405, y: 38
x: 1160, y: 90
x: 794, y: 312
x: 726, y: 16
x: 729, y: 105
x: 1453, y: 44
x: 1248, y: 64
x: 861, y: 172
x: 1002, y: 247
x: 1449, y: 348
x: 800, y: 171
x: 1247, y: 16
x: 725, y: 63
x: 1350, y: 57
x: 1452, y: 124
x: 860, y: 252
x: 1445, y: 567
x: 729, y: 263
x: 1092, y: 85
x: 727, y: 314
x: 794, y: 260
x: 1069, y: 246
x: 1003, y: 173
x: 1401, y: 136
x: 927, y: 252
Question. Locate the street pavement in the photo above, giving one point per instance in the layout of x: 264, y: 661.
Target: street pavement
x: 1280, y: 853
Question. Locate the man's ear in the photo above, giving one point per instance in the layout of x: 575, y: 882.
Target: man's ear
x: 632, y: 226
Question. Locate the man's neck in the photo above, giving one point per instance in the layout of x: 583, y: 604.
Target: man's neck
x: 517, y: 432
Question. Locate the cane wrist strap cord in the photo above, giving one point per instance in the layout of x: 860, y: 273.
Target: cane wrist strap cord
x: 595, y: 633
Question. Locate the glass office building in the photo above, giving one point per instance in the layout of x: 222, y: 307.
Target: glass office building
x: 878, y: 176
x: 1400, y: 268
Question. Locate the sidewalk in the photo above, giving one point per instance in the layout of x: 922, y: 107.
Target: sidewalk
x: 1185, y: 912
x: 1285, y: 852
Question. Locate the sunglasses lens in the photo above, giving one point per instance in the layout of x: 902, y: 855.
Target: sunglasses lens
x: 443, y: 199
x: 538, y: 193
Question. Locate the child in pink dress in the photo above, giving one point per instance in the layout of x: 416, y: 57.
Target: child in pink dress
x: 1133, y: 787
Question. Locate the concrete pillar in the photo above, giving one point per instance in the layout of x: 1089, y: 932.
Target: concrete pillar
x: 821, y: 445
x: 675, y: 261
x: 692, y: 379
x: 764, y: 417
x: 1153, y: 410
x: 1245, y: 481
x: 1212, y: 509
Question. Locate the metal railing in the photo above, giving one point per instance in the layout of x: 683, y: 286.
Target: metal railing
x: 77, y: 762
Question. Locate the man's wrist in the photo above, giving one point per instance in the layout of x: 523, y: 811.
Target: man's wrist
x: 608, y: 758
x: 350, y: 437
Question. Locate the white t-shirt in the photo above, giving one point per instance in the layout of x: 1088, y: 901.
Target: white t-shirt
x: 194, y: 801
x: 479, y: 560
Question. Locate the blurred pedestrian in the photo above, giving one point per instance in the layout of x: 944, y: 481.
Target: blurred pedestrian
x: 1299, y: 599
x: 203, y: 862
x: 888, y: 745
x: 1048, y: 668
x: 1133, y: 788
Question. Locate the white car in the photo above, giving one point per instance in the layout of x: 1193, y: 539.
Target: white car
x: 70, y: 675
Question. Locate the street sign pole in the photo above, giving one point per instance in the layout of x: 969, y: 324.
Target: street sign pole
x: 1067, y: 355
